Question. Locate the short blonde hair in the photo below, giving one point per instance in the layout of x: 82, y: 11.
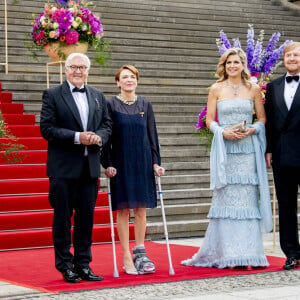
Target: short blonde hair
x: 221, y: 70
x: 133, y: 69
x: 290, y: 46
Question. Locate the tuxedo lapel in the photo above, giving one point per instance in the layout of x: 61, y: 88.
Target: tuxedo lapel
x: 279, y: 96
x: 68, y: 98
x: 295, y: 104
x: 92, y: 106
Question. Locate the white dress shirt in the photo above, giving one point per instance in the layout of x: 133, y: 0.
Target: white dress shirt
x: 81, y: 102
x: 289, y: 91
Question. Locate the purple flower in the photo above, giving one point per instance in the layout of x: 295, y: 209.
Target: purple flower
x: 237, y: 43
x: 254, y: 65
x: 84, y: 12
x: 250, y: 43
x: 202, y: 114
x: 62, y: 2
x: 224, y: 39
x: 273, y: 59
x: 96, y: 25
x: 65, y: 20
x: 222, y: 49
x: 272, y: 42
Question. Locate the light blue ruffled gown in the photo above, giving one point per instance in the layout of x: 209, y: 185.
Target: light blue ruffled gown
x: 234, y: 237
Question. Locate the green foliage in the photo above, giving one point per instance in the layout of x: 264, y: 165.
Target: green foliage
x: 9, y: 150
x: 103, y: 52
x: 205, y: 136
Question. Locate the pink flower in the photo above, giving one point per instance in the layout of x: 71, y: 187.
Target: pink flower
x: 72, y: 37
x: 40, y: 38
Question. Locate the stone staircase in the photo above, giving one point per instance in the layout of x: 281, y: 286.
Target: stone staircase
x: 172, y: 43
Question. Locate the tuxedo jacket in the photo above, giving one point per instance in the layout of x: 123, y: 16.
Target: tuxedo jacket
x: 283, y: 125
x: 60, y: 120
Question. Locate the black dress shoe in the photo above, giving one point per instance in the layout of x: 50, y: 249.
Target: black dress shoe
x: 71, y: 276
x: 88, y: 274
x: 290, y: 263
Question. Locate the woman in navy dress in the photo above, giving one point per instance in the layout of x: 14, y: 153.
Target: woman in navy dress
x: 131, y: 159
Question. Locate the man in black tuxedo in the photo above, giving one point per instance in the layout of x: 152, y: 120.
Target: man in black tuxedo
x: 75, y: 122
x: 283, y: 149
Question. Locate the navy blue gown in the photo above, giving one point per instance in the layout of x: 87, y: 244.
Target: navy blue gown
x: 133, y: 149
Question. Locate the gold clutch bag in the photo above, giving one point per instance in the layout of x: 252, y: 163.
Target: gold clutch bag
x: 241, y: 126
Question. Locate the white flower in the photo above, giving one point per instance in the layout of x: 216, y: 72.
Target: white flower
x: 42, y: 19
x: 253, y: 79
x: 55, y: 25
x: 75, y: 24
x: 78, y: 20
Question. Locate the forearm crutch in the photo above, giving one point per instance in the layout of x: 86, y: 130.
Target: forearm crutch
x: 116, y: 273
x: 171, y: 270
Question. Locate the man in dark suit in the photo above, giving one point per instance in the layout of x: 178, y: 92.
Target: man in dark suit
x: 283, y: 149
x: 75, y: 122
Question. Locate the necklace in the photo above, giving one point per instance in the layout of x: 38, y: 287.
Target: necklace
x: 235, y: 87
x: 128, y: 102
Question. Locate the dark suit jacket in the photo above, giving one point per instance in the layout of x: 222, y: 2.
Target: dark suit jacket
x: 283, y: 125
x: 60, y: 120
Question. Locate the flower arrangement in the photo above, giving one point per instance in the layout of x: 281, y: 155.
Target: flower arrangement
x: 69, y: 22
x: 202, y: 129
x: 9, y: 150
x: 261, y: 63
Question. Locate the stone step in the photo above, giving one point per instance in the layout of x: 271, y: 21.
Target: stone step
x: 165, y: 120
x: 169, y: 156
x: 20, y: 71
x: 177, y: 229
x: 178, y: 142
x: 186, y: 167
x: 176, y: 182
x: 183, y: 212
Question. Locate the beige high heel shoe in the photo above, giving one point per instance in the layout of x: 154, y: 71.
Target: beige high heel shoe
x: 130, y: 272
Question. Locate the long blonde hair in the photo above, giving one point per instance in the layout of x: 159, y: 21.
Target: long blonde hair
x: 221, y: 71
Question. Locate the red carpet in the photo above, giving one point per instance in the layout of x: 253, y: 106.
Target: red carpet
x: 26, y: 215
x: 35, y: 268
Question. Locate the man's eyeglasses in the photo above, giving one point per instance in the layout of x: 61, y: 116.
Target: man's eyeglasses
x: 80, y: 68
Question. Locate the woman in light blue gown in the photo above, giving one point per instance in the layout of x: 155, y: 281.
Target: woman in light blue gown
x: 240, y: 210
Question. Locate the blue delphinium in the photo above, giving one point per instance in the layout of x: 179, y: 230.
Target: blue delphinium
x: 250, y: 43
x: 261, y: 62
x: 237, y: 43
x: 271, y: 61
x: 62, y: 2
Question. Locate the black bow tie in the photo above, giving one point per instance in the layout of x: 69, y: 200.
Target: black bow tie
x: 291, y: 78
x: 76, y: 89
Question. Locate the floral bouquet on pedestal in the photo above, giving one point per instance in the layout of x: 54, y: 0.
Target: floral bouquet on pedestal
x: 69, y: 23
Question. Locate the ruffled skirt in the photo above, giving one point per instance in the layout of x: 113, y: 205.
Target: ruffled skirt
x: 233, y: 237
